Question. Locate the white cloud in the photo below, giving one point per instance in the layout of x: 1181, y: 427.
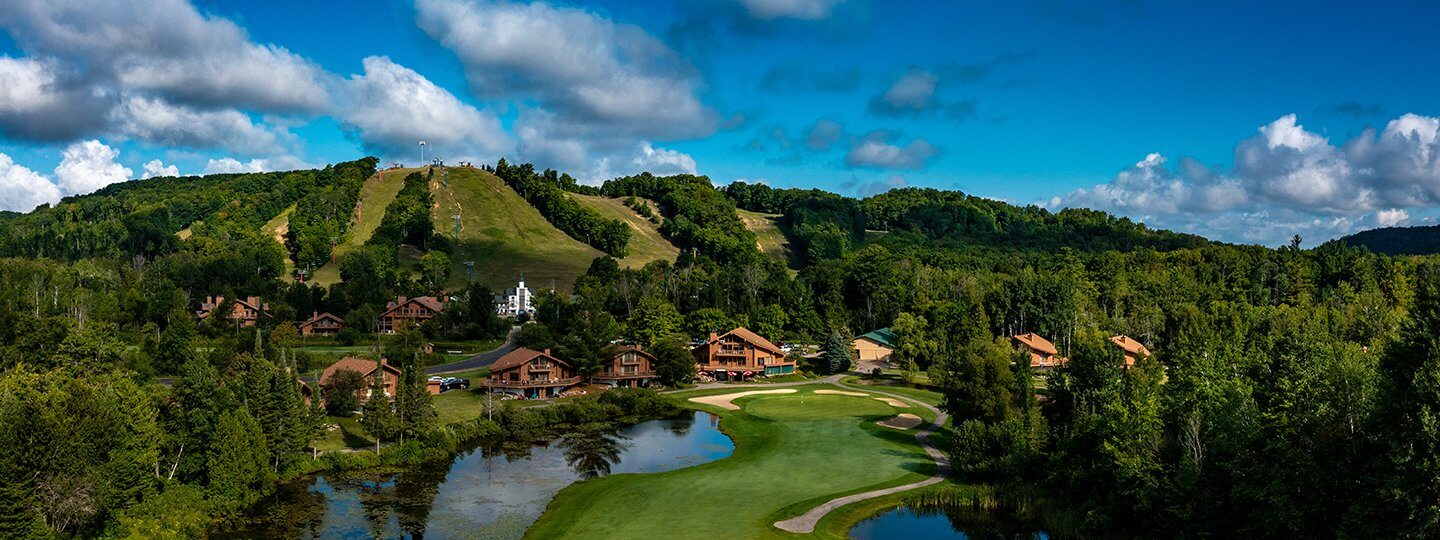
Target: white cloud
x: 22, y: 189
x: 155, y: 167
x: 168, y: 48
x: 1285, y: 180
x: 789, y: 9
x: 232, y: 165
x: 878, y: 151
x: 87, y: 166
x: 596, y: 80
x: 37, y: 103
x: 913, y: 91
x: 392, y: 107
x: 663, y: 161
x: 824, y: 134
x: 161, y: 123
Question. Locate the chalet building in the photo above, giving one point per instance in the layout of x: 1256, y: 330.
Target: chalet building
x: 1042, y: 353
x: 875, y: 346
x: 740, y: 354
x: 404, y: 312
x: 247, y: 311
x: 516, y: 301
x: 531, y: 374
x: 1133, y: 350
x: 321, y: 324
x: 631, y: 367
x: 369, y: 369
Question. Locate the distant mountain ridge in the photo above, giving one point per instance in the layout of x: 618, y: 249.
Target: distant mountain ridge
x: 1420, y: 240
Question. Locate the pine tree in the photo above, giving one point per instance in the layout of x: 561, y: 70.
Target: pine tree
x: 237, y: 464
x: 1408, y: 419
x: 837, y: 354
x: 176, y: 345
x: 413, y: 403
x: 379, y: 419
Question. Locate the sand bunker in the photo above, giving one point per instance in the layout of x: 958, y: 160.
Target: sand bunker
x: 892, y: 402
x: 901, y: 421
x: 723, y: 400
x: 842, y: 393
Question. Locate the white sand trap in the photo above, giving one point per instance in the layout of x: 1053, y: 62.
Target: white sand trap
x: 723, y: 400
x: 901, y: 421
x: 892, y: 402
x: 842, y: 393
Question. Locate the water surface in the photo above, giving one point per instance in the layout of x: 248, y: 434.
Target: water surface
x: 916, y: 523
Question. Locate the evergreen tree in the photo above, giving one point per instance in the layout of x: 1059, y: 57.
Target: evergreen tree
x: 1408, y: 418
x: 413, y: 404
x: 238, y: 465
x: 379, y: 419
x: 837, y: 353
x: 176, y: 346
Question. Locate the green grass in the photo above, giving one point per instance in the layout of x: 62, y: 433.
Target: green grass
x: 349, y: 435
x: 646, y: 243
x: 793, y: 451
x: 894, y: 387
x: 457, y: 405
x: 276, y: 228
x: 771, y: 241
x: 504, y: 235
x: 375, y: 195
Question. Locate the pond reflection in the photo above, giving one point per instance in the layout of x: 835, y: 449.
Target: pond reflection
x: 484, y: 493
x: 938, y: 522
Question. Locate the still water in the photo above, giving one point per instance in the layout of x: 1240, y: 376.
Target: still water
x: 936, y: 523
x: 480, y: 494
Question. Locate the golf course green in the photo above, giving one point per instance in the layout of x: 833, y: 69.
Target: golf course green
x: 793, y: 452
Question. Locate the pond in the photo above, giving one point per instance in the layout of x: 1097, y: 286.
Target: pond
x: 936, y: 522
x: 480, y: 494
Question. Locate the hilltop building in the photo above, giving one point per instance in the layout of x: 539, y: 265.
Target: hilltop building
x: 405, y: 312
x: 740, y: 354
x: 248, y: 310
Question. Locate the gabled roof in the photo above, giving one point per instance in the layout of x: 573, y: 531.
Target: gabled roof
x: 317, y: 318
x: 1129, y: 345
x: 882, y: 336
x: 751, y: 337
x: 520, y: 356
x: 365, y: 366
x: 429, y: 302
x: 633, y: 348
x: 1036, y: 343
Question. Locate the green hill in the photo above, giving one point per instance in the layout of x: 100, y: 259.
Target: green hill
x: 375, y: 195
x: 646, y: 243
x: 503, y: 234
x: 275, y: 228
x: 1424, y: 240
x: 768, y: 236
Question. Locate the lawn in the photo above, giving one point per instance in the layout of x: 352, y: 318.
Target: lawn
x: 348, y: 435
x: 793, y: 451
x: 771, y: 241
x: 458, y: 405
x: 375, y: 195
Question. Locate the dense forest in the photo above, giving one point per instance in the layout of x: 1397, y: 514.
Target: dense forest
x: 1292, y: 391
x: 1421, y: 240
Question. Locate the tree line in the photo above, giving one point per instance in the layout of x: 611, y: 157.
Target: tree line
x: 547, y: 193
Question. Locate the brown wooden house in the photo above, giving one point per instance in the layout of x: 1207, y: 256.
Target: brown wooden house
x: 531, y: 374
x: 630, y: 367
x: 369, y: 369
x: 321, y: 324
x: 740, y: 354
x: 405, y: 312
x: 1042, y: 353
x: 1132, y: 349
x: 247, y: 311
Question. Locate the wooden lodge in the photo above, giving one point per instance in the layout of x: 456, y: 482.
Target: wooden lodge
x: 1042, y: 353
x: 405, y: 312
x: 367, y: 368
x: 875, y: 346
x: 630, y: 367
x: 531, y: 374
x: 740, y: 354
x: 247, y: 311
x: 321, y: 324
x: 1133, y: 350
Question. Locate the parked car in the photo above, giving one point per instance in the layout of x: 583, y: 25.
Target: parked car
x: 454, y: 383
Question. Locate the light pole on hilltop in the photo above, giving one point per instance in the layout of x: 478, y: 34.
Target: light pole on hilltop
x: 422, y: 153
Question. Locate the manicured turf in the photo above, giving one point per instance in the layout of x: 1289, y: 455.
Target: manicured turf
x: 375, y: 195
x: 772, y: 242
x: 646, y: 243
x: 504, y: 235
x: 793, y: 451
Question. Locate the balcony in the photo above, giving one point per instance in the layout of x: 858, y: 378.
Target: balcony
x: 632, y: 375
x: 730, y: 351
x: 569, y: 381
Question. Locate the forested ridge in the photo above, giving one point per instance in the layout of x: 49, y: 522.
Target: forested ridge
x: 1291, y: 391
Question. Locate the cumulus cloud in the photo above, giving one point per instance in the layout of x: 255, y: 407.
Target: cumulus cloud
x: 808, y: 10
x: 168, y: 48
x: 22, y: 189
x: 391, y: 108
x: 914, y: 94
x: 662, y: 161
x: 232, y: 165
x: 162, y: 123
x: 87, y: 166
x: 155, y: 167
x: 38, y: 102
x: 879, y: 150
x: 1285, y: 180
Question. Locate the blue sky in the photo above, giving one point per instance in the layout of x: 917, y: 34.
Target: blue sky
x: 1242, y: 122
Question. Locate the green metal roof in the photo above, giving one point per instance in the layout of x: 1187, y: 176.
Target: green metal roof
x: 882, y: 336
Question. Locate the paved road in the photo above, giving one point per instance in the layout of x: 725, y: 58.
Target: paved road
x: 478, y: 361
